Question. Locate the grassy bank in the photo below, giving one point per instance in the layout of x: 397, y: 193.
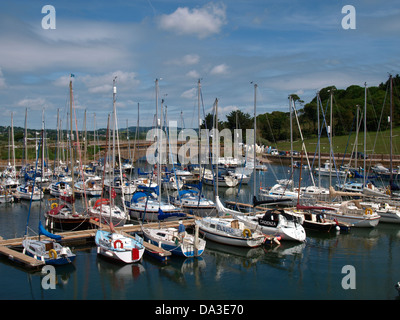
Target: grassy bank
x: 376, y: 144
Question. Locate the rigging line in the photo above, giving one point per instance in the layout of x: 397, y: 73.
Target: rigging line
x: 348, y: 139
x: 329, y: 139
x: 173, y: 162
x: 80, y: 157
x: 33, y: 188
x: 378, y: 129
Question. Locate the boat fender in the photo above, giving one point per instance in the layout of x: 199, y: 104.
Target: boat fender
x: 368, y: 211
x: 247, y: 233
x: 54, y: 205
x: 120, y: 246
x: 64, y: 252
x: 52, y: 254
x: 177, y: 240
x: 276, y: 240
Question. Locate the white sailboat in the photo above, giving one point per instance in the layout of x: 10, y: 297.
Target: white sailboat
x: 119, y: 247
x: 146, y: 205
x: 191, y: 201
x: 112, y: 244
x: 103, y: 209
x: 286, y: 226
x: 229, y: 231
x: 28, y: 191
x: 48, y: 250
x: 169, y: 239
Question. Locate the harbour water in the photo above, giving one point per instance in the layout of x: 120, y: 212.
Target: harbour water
x: 312, y: 270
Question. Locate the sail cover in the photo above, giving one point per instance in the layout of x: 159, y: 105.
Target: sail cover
x: 44, y: 232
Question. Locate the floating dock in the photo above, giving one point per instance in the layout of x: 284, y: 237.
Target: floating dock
x: 83, y: 236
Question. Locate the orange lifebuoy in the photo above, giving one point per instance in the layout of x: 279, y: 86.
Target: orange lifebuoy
x: 369, y: 211
x: 120, y: 246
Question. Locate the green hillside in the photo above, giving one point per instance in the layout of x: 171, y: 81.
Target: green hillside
x: 376, y: 143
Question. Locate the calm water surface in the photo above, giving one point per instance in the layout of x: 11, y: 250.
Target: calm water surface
x: 311, y: 270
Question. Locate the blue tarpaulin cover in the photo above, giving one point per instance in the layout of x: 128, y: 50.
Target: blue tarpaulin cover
x: 44, y: 232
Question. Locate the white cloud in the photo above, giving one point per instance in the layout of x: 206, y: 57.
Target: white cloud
x: 190, y: 59
x: 189, y: 94
x: 193, y: 74
x: 2, y: 80
x: 186, y: 60
x: 103, y: 83
x: 202, y: 22
x: 33, y: 103
x: 219, y: 69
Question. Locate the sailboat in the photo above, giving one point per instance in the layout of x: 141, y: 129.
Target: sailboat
x: 169, y: 239
x: 9, y: 174
x: 103, y: 209
x: 119, y: 247
x: 60, y: 214
x: 286, y: 226
x: 111, y: 244
x: 147, y: 205
x: 27, y: 191
x: 48, y: 250
x: 229, y: 231
x: 193, y: 201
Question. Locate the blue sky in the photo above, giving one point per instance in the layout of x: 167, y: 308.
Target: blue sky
x: 283, y: 46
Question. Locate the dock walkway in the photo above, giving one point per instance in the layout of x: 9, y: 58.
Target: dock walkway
x: 82, y: 236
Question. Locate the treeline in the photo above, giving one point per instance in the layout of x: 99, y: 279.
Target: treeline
x: 275, y: 126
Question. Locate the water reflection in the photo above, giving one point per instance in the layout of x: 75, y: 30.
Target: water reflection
x: 181, y: 270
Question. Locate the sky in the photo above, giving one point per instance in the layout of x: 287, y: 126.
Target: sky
x: 283, y: 46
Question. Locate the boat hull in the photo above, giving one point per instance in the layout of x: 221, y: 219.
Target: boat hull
x: 119, y: 248
x: 355, y: 221
x: 231, y: 241
x: 177, y: 247
x: 55, y: 258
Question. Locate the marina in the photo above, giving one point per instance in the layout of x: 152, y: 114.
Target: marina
x: 198, y: 217
x: 290, y: 270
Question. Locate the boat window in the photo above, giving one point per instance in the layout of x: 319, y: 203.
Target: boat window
x: 212, y: 226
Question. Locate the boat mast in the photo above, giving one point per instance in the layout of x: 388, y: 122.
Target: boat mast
x: 319, y: 143
x: 331, y: 138
x: 113, y: 150
x: 13, y: 146
x: 199, y: 121
x: 216, y: 136
x: 365, y: 131
x: 391, y: 133
x: 136, y: 135
x: 71, y: 145
x: 254, y: 147
x: 26, y: 137
x: 158, y: 126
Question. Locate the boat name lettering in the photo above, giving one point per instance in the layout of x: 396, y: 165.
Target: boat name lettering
x: 267, y: 223
x: 224, y: 229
